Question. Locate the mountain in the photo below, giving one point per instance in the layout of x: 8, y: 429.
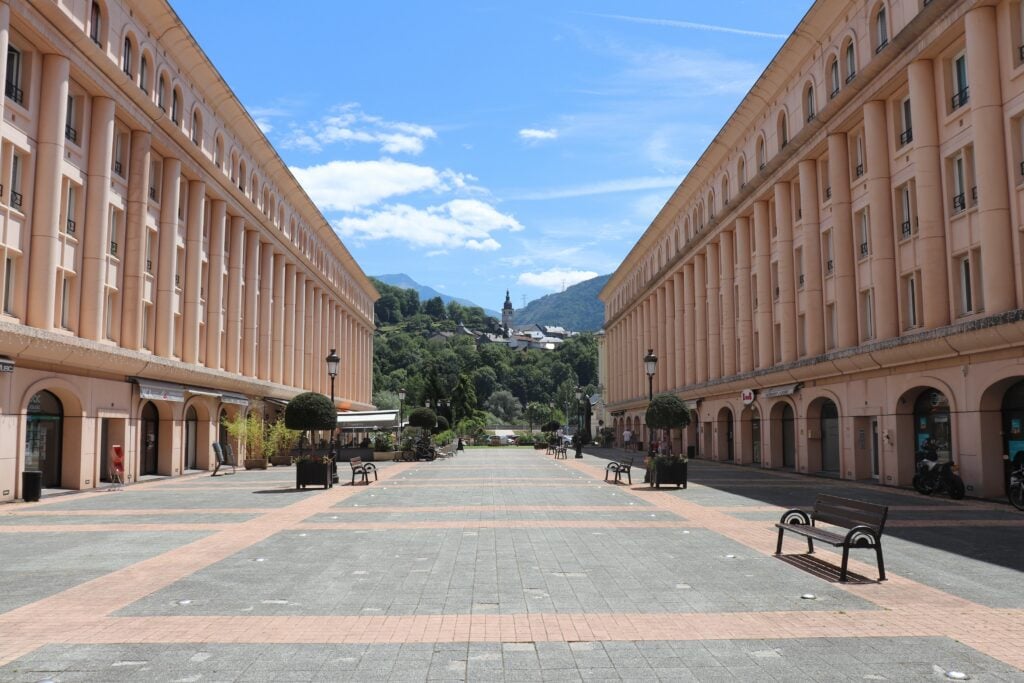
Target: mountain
x: 577, y: 308
x: 405, y: 282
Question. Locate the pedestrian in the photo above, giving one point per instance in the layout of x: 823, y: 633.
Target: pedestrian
x: 627, y: 436
x: 460, y: 447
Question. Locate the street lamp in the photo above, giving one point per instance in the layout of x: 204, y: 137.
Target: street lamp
x: 579, y: 422
x: 401, y: 407
x: 333, y: 361
x: 650, y: 366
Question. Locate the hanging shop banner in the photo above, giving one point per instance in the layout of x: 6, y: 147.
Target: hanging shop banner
x: 747, y: 396
x: 784, y: 390
x: 160, y: 391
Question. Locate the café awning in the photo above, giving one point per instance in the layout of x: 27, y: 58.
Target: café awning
x: 159, y: 391
x: 784, y: 390
x: 368, y: 419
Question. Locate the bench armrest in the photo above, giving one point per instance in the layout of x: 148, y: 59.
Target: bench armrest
x: 863, y: 536
x: 795, y: 516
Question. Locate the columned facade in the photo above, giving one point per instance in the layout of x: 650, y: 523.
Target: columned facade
x: 160, y: 263
x: 857, y: 284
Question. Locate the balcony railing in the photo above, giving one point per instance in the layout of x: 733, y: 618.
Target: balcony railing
x: 70, y: 227
x: 119, y: 169
x: 834, y: 94
x: 800, y: 280
x: 810, y: 117
x: 974, y: 193
x: 113, y: 248
x: 853, y: 75
x: 907, y: 136
x: 16, y: 199
x: 829, y: 266
x: 71, y: 134
x: 828, y: 192
x: 152, y: 193
x: 859, y: 170
x: 881, y: 46
x: 905, y: 229
x: 760, y: 166
x: 960, y: 99
x: 177, y: 281
x: 958, y: 203
x: 149, y: 266
x: 863, y: 248
x: 14, y: 92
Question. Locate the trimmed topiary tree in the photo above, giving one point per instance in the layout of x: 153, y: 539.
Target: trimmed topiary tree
x: 667, y: 411
x: 551, y: 426
x: 424, y: 418
x: 442, y: 424
x: 309, y: 411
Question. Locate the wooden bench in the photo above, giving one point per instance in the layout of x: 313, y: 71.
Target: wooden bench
x: 618, y: 467
x: 862, y: 521
x: 362, y: 469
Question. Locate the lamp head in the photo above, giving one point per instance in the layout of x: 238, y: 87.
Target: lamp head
x: 333, y: 361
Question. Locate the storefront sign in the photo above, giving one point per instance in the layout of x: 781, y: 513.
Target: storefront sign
x: 784, y: 390
x: 161, y: 391
x: 6, y: 365
x: 747, y: 396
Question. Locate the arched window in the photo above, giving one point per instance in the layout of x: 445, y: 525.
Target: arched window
x: 161, y: 93
x: 241, y: 175
x: 711, y: 205
x: 833, y: 77
x: 197, y: 126
x: 783, y: 131
x: 741, y: 171
x: 144, y: 74
x: 126, y: 56
x: 175, y: 106
x: 881, y: 30
x: 850, y: 61
x: 218, y: 151
x: 95, y: 23
x: 809, y: 109
x: 725, y: 190
x: 762, y: 156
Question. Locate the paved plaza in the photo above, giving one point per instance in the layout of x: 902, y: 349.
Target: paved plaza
x: 500, y: 564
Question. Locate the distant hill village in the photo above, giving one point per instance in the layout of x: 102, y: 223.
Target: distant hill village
x: 532, y: 336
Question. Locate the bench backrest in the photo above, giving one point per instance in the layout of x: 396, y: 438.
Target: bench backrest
x: 849, y: 513
x: 627, y: 462
x: 355, y: 462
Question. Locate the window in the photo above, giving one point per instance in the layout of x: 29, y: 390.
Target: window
x: 833, y: 75
x: 910, y: 289
x: 8, y: 282
x: 144, y: 74
x: 831, y: 326
x: 966, y: 298
x: 65, y: 308
x: 118, y: 155
x: 725, y: 190
x: 12, y: 87
x: 218, y: 152
x: 783, y: 131
x: 126, y: 56
x: 829, y: 259
x: 907, y: 135
x: 114, y: 230
x: 864, y: 228
x: 960, y: 90
x: 95, y: 17
x: 196, y: 130
x: 881, y: 30
x: 858, y: 156
x: 741, y: 171
x: 809, y: 103
x: 908, y: 222
x: 16, y: 172
x: 867, y: 314
x: 959, y: 184
x: 70, y: 131
x: 161, y: 93
x: 175, y: 106
x: 69, y: 212
x: 155, y: 174
x: 110, y: 316
x: 761, y: 154
x: 851, y: 62
x: 798, y: 263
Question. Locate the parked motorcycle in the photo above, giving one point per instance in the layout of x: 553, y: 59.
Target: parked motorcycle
x: 935, y: 477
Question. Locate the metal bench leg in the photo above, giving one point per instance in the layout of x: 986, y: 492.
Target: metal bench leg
x: 881, y: 563
x: 778, y: 547
x: 846, y: 559
x: 629, y: 475
x: 606, y: 475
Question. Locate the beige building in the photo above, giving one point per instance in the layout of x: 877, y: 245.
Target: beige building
x: 161, y: 267
x: 838, y: 282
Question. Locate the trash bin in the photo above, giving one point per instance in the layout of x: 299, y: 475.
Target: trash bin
x: 31, y: 486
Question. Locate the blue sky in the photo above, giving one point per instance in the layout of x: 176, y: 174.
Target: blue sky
x: 485, y: 146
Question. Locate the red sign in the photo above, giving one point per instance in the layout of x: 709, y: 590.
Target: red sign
x: 747, y: 396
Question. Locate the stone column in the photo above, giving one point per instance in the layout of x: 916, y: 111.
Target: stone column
x: 689, y: 315
x: 679, y: 330
x: 299, y: 370
x: 787, y: 294
x: 700, y: 289
x: 931, y: 204
x: 44, y: 213
x: 5, y: 38
x: 266, y: 309
x: 744, y: 319
x: 288, y: 371
x: 215, y: 285
x: 97, y: 219
x: 661, y: 344
x: 714, y: 313
x: 167, y: 258
x: 193, y: 270
x: 728, y: 277
x: 134, y: 259
x: 669, y: 327
x: 645, y: 342
x: 250, y: 320
x: 763, y: 310
x: 308, y: 350
x: 842, y: 241
x: 883, y: 254
x: 233, y: 336
x: 278, y: 322
x: 987, y: 122
x: 814, y: 306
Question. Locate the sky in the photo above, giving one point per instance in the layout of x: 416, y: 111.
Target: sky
x: 493, y: 145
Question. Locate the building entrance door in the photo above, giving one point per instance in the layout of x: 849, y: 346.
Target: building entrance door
x: 932, y: 432
x: 1013, y: 424
x: 150, y: 438
x: 191, y: 429
x: 788, y: 437
x: 874, y: 449
x: 829, y: 437
x: 44, y: 433
x: 755, y: 436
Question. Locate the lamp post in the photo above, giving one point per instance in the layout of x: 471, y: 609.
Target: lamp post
x: 579, y: 422
x: 650, y: 366
x: 401, y: 408
x: 333, y: 361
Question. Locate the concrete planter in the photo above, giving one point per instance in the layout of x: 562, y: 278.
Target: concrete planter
x: 255, y: 463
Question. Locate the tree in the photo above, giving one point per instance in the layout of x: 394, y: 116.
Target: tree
x: 442, y: 424
x: 485, y: 379
x: 424, y: 418
x: 309, y: 411
x: 464, y: 397
x: 504, y: 405
x: 667, y: 411
x: 435, y: 308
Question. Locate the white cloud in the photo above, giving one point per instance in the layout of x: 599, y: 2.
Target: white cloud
x: 460, y: 223
x: 351, y: 185
x: 536, y: 135
x: 675, y: 23
x: 604, y: 187
x: 349, y: 124
x: 555, y: 279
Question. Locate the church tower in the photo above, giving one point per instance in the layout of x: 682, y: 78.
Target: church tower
x: 506, y: 312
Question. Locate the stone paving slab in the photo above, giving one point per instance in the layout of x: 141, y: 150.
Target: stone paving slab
x: 499, y: 571
x: 471, y: 514
x: 152, y: 498
x: 596, y: 493
x: 35, y: 566
x: 830, y: 659
x: 225, y: 518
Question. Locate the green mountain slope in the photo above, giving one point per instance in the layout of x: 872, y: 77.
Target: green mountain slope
x: 577, y: 308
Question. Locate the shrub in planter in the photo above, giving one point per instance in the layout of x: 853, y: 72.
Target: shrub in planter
x: 249, y: 432
x: 666, y: 411
x: 424, y: 418
x: 280, y: 441
x: 310, y: 411
x: 442, y: 424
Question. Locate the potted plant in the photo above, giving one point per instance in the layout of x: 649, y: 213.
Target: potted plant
x: 250, y: 434
x: 311, y: 411
x: 280, y: 441
x: 666, y: 411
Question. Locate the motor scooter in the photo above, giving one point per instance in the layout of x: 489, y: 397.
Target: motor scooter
x: 931, y: 476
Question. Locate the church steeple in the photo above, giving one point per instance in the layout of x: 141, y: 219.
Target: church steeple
x: 506, y: 312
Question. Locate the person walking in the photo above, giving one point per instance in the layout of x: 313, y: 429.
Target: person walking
x: 627, y: 436
x: 460, y: 447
